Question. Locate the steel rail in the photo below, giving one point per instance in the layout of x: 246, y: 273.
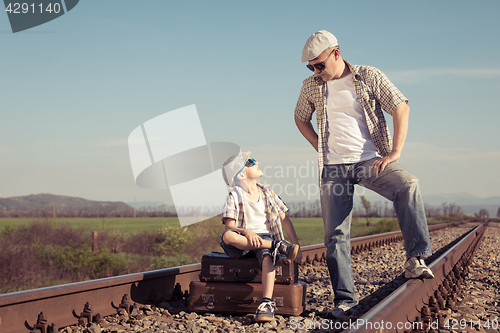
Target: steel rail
x: 65, y: 305
x: 366, y: 243
x: 407, y: 308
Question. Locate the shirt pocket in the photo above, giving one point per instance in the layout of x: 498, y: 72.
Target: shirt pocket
x: 368, y: 102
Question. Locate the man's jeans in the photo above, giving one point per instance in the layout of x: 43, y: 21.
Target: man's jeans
x: 337, y: 188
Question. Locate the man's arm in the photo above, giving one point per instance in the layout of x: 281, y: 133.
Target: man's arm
x: 308, y: 132
x: 400, y: 121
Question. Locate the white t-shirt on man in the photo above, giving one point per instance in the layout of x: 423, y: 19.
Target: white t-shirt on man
x: 348, y: 138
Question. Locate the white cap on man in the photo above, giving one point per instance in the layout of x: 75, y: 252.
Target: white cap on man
x: 317, y: 43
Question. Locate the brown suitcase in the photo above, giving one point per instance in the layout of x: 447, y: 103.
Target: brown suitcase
x: 244, y: 298
x: 218, y: 267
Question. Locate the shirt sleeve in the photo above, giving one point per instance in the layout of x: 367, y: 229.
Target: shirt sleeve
x: 387, y: 93
x: 230, y: 209
x: 279, y: 203
x: 304, y: 108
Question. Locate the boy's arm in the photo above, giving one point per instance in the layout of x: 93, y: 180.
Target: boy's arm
x: 290, y: 231
x: 253, y: 238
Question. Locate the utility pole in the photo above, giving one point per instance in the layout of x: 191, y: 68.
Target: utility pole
x: 367, y: 206
x: 94, y: 241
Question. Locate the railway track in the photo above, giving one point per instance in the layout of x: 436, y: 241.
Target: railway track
x: 415, y: 305
x: 93, y: 300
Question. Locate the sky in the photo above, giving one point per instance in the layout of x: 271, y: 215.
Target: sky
x: 73, y: 89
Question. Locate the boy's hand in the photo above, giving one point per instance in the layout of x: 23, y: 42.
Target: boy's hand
x: 298, y: 258
x: 254, y: 239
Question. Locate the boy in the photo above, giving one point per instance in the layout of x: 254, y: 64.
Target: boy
x: 253, y: 216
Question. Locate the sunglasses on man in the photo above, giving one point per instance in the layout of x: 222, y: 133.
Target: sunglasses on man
x: 321, y: 65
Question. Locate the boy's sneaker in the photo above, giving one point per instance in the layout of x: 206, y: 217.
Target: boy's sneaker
x: 415, y: 268
x: 287, y: 249
x: 265, y: 312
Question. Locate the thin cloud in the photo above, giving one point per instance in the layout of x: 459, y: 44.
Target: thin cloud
x: 114, y: 142
x: 429, y: 152
x: 428, y: 74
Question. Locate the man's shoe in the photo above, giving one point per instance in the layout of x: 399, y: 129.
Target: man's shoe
x: 340, y: 310
x: 415, y: 268
x: 287, y: 249
x: 265, y: 312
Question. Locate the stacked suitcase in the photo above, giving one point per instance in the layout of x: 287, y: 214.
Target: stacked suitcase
x: 229, y: 285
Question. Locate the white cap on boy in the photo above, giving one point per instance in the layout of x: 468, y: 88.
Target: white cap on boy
x: 233, y: 166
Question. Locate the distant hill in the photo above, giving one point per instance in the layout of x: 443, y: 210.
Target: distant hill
x: 151, y: 205
x: 462, y: 199
x: 471, y: 204
x: 61, y: 202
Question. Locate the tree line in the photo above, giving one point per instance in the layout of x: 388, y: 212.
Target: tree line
x: 90, y: 212
x: 297, y: 209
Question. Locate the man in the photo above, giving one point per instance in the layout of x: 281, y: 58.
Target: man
x: 354, y: 147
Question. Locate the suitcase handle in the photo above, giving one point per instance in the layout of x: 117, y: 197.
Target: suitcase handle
x: 242, y: 301
x: 235, y: 272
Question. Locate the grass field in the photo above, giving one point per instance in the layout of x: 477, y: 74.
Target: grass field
x: 36, y: 253
x: 121, y: 225
x: 309, y: 230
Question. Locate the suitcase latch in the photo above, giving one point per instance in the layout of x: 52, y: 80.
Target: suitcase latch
x: 216, y: 269
x: 279, y: 270
x: 209, y: 299
x: 278, y: 301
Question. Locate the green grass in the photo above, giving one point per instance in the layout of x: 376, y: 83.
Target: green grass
x: 309, y: 230
x: 36, y: 253
x: 41, y: 253
x: 125, y: 225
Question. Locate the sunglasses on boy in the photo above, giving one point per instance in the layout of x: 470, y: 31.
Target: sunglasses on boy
x: 321, y: 65
x: 250, y: 162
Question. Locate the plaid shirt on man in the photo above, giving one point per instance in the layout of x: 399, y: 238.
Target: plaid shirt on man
x: 274, y: 207
x: 374, y: 91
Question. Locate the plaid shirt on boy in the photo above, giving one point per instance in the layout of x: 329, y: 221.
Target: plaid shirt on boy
x: 374, y: 91
x: 274, y: 206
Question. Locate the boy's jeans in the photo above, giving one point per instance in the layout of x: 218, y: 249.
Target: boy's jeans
x: 337, y: 188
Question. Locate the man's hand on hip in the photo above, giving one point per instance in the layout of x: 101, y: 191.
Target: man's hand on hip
x: 379, y: 165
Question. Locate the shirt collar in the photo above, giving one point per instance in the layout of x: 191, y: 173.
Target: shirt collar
x: 353, y: 70
x: 239, y: 190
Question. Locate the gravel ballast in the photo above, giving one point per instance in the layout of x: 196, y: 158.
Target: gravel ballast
x: 376, y: 273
